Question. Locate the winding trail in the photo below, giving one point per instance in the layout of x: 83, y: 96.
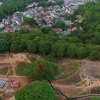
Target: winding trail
x: 56, y: 86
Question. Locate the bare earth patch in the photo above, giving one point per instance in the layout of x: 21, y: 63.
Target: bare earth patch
x: 76, y: 78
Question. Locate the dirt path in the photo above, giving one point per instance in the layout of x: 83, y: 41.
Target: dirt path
x: 16, y: 59
x: 13, y: 68
x: 86, y: 64
x: 64, y: 88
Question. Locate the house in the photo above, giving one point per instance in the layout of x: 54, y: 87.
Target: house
x: 35, y: 4
x: 3, y: 81
x: 74, y: 29
x: 6, y: 21
x: 69, y: 30
x: 80, y: 18
x: 0, y: 3
x: 29, y: 15
x: 68, y: 22
x: 14, y: 83
x: 52, y: 1
x: 30, y: 6
x: 1, y: 26
x: 65, y: 32
x: 59, y: 30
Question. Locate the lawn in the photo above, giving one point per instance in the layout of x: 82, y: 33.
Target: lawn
x: 61, y: 70
x: 95, y: 98
x: 3, y: 71
x: 73, y: 65
x: 20, y: 68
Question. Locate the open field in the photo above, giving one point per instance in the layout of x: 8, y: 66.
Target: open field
x: 73, y: 77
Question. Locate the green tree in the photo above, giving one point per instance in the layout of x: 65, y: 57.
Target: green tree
x: 95, y: 98
x: 30, y: 21
x: 94, y: 55
x: 59, y: 24
x: 0, y: 98
x: 81, y: 52
x: 16, y: 46
x: 36, y: 91
x: 99, y: 55
x: 39, y: 70
x: 58, y: 49
x: 31, y: 46
x: 88, y: 49
x: 3, y: 45
x: 44, y: 47
x: 72, y: 51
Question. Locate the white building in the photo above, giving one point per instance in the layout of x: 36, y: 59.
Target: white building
x: 0, y: 3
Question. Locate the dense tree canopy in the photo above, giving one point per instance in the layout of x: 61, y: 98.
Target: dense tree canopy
x: 11, y: 6
x: 3, y: 45
x: 91, y: 15
x: 59, y: 24
x: 30, y: 21
x: 95, y: 98
x: 36, y: 91
x: 48, y: 43
x: 39, y: 70
x: 0, y: 98
x: 79, y: 44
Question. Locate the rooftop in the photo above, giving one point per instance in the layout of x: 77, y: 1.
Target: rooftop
x: 2, y: 82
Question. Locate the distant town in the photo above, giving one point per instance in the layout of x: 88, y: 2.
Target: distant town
x: 44, y: 16
x: 49, y: 50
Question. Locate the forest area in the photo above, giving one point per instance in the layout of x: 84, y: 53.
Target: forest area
x: 10, y: 6
x: 45, y: 42
x: 83, y: 43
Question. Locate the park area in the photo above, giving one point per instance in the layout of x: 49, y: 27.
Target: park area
x: 73, y: 78
x: 11, y: 73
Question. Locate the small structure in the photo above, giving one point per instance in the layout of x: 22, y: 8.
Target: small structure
x: 65, y: 32
x: 0, y: 3
x: 14, y: 83
x: 1, y: 27
x: 3, y: 81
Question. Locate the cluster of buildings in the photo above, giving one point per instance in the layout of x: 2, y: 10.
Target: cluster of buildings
x: 0, y: 3
x: 77, y: 2
x: 44, y: 16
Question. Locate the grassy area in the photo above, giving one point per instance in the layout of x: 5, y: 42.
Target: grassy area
x: 83, y: 76
x: 61, y: 70
x: 97, y: 76
x: 95, y: 98
x: 66, y: 76
x: 3, y: 71
x: 20, y: 68
x: 11, y: 72
x: 76, y: 91
x: 31, y: 58
x: 95, y: 90
x: 73, y: 65
x: 73, y: 80
x: 80, y: 84
x: 0, y: 98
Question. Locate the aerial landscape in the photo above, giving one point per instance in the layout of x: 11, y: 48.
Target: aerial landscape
x: 49, y: 49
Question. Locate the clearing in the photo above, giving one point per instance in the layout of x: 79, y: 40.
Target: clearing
x: 73, y: 78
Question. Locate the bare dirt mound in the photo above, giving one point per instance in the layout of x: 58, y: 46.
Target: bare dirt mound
x: 91, y: 69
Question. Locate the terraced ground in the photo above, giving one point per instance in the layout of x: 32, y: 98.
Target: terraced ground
x: 74, y: 77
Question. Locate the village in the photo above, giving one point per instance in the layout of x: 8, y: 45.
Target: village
x: 74, y: 77
x: 45, y: 17
x: 70, y: 82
